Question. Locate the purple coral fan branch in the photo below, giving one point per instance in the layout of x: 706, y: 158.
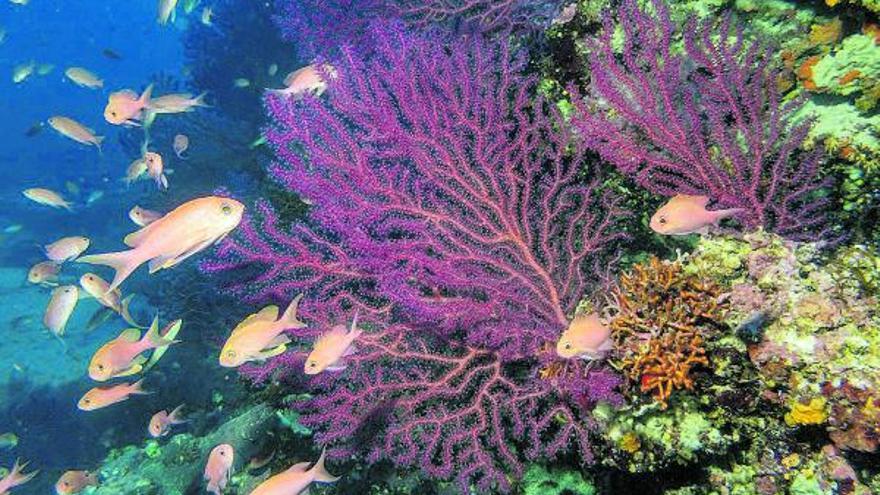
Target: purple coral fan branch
x: 468, y: 198
x: 708, y: 121
x: 484, y: 15
x: 459, y: 214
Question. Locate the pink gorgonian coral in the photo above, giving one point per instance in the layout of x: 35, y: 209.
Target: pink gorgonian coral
x: 457, y: 213
x: 705, y: 121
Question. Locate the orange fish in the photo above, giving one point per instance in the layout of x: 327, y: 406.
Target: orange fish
x: 83, y: 77
x: 155, y: 169
x: 143, y: 217
x: 98, y: 288
x: 177, y: 103
x: 308, y: 79
x: 218, y: 470
x: 44, y: 273
x: 100, y: 397
x: 124, y: 355
x: 586, y: 338
x: 296, y: 480
x: 332, y: 348
x: 180, y: 144
x: 73, y: 482
x: 260, y: 335
x: 166, y: 10
x: 72, y: 129
x: 61, y: 306
x: 67, y: 248
x: 135, y: 171
x: 46, y: 197
x: 183, y: 232
x: 125, y: 107
x: 16, y: 477
x: 685, y: 214
x: 162, y: 421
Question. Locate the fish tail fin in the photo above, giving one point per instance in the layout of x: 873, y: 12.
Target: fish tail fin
x: 67, y: 205
x: 199, y: 100
x: 162, y: 181
x: 290, y: 317
x: 155, y: 338
x: 320, y: 472
x: 354, y: 331
x: 144, y: 100
x: 138, y: 388
x: 168, y: 337
x: 174, y: 416
x: 98, y: 141
x: 126, y: 313
x: 722, y: 214
x: 124, y: 262
x: 17, y: 476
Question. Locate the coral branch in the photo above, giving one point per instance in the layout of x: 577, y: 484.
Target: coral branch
x: 705, y: 122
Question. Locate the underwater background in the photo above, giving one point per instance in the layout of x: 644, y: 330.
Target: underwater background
x: 440, y: 247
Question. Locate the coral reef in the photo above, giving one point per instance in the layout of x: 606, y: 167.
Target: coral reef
x: 818, y: 349
x: 178, y: 465
x: 465, y: 237
x: 662, y: 318
x: 710, y: 123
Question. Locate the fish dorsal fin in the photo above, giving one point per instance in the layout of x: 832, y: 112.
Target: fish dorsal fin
x: 124, y: 93
x: 135, y: 238
x: 130, y: 335
x: 699, y: 200
x: 269, y: 313
x: 299, y: 467
x: 333, y: 335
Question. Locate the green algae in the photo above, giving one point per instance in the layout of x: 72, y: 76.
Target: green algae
x: 859, y: 53
x: 540, y: 481
x: 173, y: 467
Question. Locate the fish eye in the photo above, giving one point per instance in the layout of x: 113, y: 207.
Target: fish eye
x: 222, y: 452
x: 662, y: 220
x: 113, y: 113
x: 87, y: 401
x: 226, y: 209
x: 567, y: 346
x: 313, y: 364
x: 100, y: 367
x: 230, y: 354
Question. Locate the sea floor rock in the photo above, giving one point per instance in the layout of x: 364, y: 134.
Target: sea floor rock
x: 176, y: 467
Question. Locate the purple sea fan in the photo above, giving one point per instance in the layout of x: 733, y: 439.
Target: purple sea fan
x: 319, y: 28
x: 468, y: 202
x: 708, y: 121
x: 458, y: 215
x: 481, y: 15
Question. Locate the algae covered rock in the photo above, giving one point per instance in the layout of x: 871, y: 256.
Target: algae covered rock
x: 540, y: 481
x: 176, y: 467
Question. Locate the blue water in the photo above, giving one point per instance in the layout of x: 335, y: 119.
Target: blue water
x: 42, y: 379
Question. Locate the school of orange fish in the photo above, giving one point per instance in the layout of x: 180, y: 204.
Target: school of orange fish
x: 165, y: 240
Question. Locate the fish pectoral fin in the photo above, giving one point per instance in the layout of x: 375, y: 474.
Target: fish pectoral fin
x: 275, y: 351
x: 351, y: 349
x: 339, y: 365
x: 279, y: 341
x: 134, y: 369
x: 162, y: 262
